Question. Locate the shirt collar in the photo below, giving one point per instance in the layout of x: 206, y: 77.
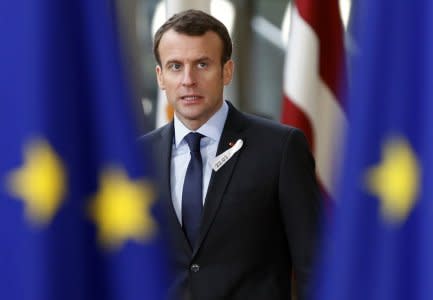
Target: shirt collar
x: 212, y: 129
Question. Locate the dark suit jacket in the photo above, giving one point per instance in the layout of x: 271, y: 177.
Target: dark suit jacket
x: 260, y: 216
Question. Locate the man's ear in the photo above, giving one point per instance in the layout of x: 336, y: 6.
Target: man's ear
x: 159, y: 77
x: 228, y: 71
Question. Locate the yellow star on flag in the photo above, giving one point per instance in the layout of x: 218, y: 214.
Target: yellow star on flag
x: 395, y: 180
x: 40, y: 182
x: 121, y: 209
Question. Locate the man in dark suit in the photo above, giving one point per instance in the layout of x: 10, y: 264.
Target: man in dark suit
x: 239, y: 192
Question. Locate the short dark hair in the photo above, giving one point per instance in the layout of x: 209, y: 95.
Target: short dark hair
x: 194, y: 23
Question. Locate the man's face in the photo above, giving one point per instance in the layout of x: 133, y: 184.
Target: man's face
x: 192, y: 76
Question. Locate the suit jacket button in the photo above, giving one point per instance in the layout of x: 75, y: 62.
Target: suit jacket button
x: 195, y: 268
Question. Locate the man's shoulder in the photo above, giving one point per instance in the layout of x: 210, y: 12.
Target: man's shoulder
x: 266, y: 125
x: 155, y: 134
x: 262, y: 128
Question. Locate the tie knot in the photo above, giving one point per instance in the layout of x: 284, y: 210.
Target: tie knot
x: 193, y: 140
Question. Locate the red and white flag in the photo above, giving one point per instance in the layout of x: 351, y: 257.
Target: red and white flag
x: 313, y: 82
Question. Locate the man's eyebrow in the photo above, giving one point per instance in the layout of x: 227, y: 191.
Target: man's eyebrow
x: 203, y: 58
x: 172, y: 61
x: 176, y: 61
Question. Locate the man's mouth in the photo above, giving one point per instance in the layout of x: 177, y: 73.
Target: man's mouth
x: 190, y: 97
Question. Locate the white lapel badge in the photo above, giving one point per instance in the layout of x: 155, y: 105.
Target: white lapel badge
x: 224, y: 157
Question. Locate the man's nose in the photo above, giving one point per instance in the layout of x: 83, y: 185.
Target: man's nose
x: 189, y: 77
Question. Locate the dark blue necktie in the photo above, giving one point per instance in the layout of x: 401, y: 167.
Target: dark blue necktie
x: 192, y: 190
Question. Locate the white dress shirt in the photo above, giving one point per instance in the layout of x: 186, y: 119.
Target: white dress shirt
x: 180, y: 155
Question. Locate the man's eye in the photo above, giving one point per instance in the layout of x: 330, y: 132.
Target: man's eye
x: 202, y: 65
x: 174, y: 67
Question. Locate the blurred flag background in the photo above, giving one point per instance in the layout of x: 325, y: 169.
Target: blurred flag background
x: 76, y: 200
x: 314, y: 81
x: 77, y: 210
x: 381, y: 240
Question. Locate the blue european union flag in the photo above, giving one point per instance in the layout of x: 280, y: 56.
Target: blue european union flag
x: 381, y: 241
x: 76, y: 201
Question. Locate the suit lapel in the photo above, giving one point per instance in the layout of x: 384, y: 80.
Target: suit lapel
x: 219, y: 180
x: 163, y: 154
